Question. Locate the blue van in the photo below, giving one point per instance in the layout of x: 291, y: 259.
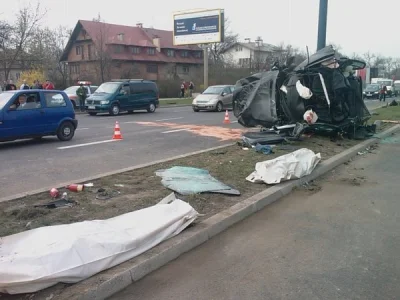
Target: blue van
x: 36, y: 113
x: 123, y: 95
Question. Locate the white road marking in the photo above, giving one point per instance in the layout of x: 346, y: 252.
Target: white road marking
x: 234, y: 121
x: 86, y: 144
x: 82, y: 128
x: 169, y: 119
x: 176, y: 130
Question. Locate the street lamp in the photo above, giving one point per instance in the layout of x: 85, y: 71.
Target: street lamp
x: 323, y: 15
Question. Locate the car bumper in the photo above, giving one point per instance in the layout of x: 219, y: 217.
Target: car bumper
x: 204, y: 106
x: 97, y: 108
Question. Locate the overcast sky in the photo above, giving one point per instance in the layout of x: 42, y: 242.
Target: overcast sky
x: 355, y: 25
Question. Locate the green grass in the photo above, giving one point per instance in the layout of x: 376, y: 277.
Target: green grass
x: 176, y: 101
x: 387, y: 113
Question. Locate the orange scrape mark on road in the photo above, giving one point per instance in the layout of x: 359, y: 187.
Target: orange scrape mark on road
x: 221, y: 133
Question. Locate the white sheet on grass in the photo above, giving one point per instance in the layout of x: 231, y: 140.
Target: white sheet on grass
x: 289, y: 166
x: 42, y: 257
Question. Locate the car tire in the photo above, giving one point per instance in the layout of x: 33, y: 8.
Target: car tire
x: 151, y: 108
x: 92, y: 113
x: 114, y: 110
x: 196, y: 109
x: 66, y: 131
x: 219, y: 107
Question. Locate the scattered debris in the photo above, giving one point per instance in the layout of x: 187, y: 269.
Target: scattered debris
x: 75, y: 187
x: 286, y: 167
x: 54, y: 193
x: 119, y: 185
x: 187, y: 181
x: 394, y: 103
x: 265, y: 149
x: 103, y: 194
x: 90, y: 184
x: 57, y: 204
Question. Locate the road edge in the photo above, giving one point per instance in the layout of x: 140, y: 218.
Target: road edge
x: 112, y: 281
x: 104, y: 174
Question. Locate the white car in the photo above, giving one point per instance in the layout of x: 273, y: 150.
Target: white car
x: 71, y: 91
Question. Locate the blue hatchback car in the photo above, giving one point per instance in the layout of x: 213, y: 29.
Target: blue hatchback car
x: 36, y: 113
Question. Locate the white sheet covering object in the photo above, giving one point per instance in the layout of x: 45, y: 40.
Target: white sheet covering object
x: 42, y: 257
x: 289, y: 166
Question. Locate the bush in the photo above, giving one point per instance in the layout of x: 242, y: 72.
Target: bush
x: 169, y: 88
x: 30, y: 76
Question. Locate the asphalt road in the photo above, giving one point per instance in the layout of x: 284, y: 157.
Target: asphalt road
x: 342, y: 242
x: 29, y: 165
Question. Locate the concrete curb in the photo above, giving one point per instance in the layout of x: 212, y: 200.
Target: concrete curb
x: 163, y: 106
x: 97, y: 176
x: 109, y: 282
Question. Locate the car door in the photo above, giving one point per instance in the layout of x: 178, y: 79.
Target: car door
x: 124, y: 97
x: 227, y: 97
x: 54, y: 109
x: 25, y: 120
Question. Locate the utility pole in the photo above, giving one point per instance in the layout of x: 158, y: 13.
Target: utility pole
x: 205, y: 54
x: 323, y: 15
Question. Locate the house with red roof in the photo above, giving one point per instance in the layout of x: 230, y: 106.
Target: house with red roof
x: 98, y: 52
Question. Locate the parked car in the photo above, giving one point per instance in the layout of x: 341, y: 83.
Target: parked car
x: 36, y: 113
x: 71, y: 91
x: 372, y: 91
x: 123, y: 95
x: 214, y: 98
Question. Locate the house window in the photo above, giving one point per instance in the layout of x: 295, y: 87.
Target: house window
x: 75, y: 69
x: 78, y: 50
x: 185, y: 69
x: 197, y: 54
x: 151, y: 51
x: 170, y: 53
x: 118, y: 49
x: 89, y: 51
x: 184, y: 54
x: 152, y: 69
x: 135, y: 50
x: 239, y: 48
x: 120, y: 37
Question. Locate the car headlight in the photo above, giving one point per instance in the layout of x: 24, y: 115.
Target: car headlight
x: 376, y: 93
x: 104, y: 102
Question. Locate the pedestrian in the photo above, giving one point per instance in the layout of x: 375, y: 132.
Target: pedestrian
x: 4, y: 85
x: 81, y: 92
x: 183, y: 90
x: 48, y: 85
x: 10, y: 86
x: 24, y: 86
x: 191, y: 88
x: 383, y: 93
x: 37, y: 85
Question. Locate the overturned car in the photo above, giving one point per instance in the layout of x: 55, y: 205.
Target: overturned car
x: 320, y: 95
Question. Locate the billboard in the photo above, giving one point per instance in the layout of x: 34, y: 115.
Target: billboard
x: 199, y: 27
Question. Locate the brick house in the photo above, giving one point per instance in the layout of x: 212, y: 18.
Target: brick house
x: 97, y: 51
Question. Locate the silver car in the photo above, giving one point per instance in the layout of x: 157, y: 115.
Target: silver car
x: 214, y: 98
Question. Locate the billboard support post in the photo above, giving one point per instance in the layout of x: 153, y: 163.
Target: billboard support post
x: 323, y: 15
x: 205, y: 53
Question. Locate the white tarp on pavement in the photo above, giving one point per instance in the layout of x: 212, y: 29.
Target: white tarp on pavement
x: 289, y: 166
x: 42, y: 257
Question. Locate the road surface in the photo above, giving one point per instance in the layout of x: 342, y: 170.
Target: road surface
x: 28, y: 165
x: 342, y: 242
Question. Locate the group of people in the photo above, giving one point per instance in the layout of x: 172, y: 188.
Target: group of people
x: 10, y: 86
x: 187, y: 86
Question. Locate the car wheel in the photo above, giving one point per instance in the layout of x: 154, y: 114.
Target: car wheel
x: 151, y: 108
x: 66, y: 131
x: 114, y: 110
x: 219, y: 107
x: 196, y: 110
x: 92, y: 113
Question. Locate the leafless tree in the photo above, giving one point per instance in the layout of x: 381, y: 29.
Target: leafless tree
x: 369, y: 58
x: 101, y: 53
x: 217, y: 53
x: 15, y: 37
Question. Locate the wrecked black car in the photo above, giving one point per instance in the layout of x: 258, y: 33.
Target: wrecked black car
x: 321, y: 95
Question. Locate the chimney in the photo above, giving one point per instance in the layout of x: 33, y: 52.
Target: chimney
x: 140, y: 25
x: 156, y: 42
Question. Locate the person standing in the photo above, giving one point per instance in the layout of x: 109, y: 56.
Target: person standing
x: 48, y: 85
x: 81, y: 92
x: 191, y: 88
x: 383, y: 93
x: 10, y: 86
x: 183, y: 90
x: 24, y: 86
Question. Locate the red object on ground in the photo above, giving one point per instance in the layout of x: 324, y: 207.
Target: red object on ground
x: 54, y: 193
x: 76, y: 187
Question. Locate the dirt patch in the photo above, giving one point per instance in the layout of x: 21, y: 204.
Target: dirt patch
x: 354, y: 180
x: 142, y: 188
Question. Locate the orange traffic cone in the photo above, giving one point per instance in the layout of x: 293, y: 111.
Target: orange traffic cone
x: 117, y: 132
x: 226, y: 120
